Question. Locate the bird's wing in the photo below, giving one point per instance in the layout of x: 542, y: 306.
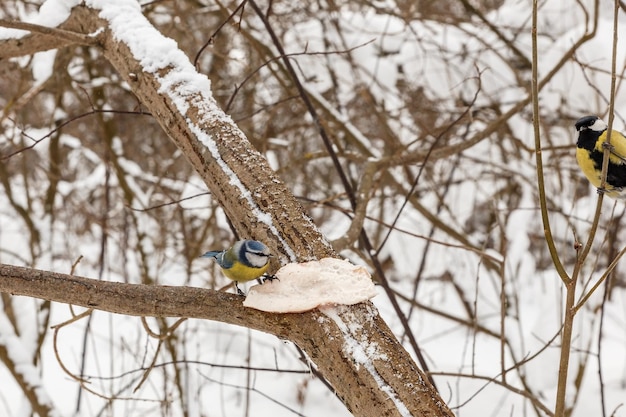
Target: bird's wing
x: 616, y: 176
x: 225, y: 259
x: 228, y: 259
x: 618, y: 141
x: 211, y: 254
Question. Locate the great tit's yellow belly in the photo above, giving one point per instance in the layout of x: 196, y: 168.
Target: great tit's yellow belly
x: 240, y: 272
x: 594, y: 174
x: 588, y: 167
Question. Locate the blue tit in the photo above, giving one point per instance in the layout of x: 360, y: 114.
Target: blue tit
x: 590, y: 150
x: 244, y: 261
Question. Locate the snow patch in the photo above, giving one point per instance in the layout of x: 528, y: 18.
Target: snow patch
x: 51, y: 14
x: 364, y: 352
x: 19, y: 353
x: 305, y: 286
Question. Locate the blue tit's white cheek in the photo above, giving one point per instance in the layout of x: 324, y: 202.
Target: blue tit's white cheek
x: 257, y: 261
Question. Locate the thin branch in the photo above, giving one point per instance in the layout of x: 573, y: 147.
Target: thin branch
x: 211, y: 39
x: 282, y: 57
x: 427, y: 157
x: 547, y: 229
x: 360, y: 213
x: 77, y: 38
x: 604, y: 276
x: 560, y: 408
x: 309, y: 105
x: 59, y: 126
x: 522, y: 392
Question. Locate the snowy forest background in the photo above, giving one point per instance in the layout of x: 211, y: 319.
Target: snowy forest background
x: 428, y: 107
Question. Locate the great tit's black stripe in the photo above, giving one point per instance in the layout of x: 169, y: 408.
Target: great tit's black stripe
x: 587, y: 139
x: 616, y: 174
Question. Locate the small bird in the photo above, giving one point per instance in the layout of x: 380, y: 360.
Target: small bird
x: 244, y: 261
x: 589, y: 153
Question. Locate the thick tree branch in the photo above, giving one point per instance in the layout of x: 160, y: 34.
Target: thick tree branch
x: 323, y: 336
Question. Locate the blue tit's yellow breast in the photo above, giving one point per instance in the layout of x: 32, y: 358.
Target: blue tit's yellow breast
x: 240, y: 272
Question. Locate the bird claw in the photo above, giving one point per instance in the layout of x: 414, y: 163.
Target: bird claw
x: 239, y: 292
x: 269, y: 278
x: 606, y: 145
x: 613, y: 189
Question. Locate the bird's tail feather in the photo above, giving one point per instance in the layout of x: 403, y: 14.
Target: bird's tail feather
x: 211, y: 254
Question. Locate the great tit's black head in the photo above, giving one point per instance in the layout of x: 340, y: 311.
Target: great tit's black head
x: 589, y: 130
x: 591, y: 123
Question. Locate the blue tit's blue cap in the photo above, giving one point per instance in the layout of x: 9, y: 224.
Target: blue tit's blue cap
x: 256, y: 246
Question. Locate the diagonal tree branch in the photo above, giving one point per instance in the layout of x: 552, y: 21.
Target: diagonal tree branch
x: 257, y: 203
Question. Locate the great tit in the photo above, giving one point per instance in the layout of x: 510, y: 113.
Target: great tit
x: 589, y: 152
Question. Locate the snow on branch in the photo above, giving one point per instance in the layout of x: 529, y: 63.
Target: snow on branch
x: 239, y: 177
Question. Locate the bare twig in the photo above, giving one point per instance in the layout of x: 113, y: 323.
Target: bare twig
x: 74, y: 37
